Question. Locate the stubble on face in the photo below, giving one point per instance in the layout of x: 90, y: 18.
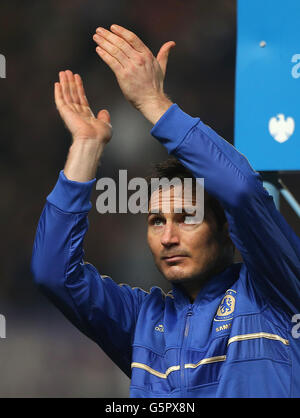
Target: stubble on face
x: 186, y: 254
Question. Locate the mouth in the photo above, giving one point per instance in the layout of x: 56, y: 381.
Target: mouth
x: 174, y: 258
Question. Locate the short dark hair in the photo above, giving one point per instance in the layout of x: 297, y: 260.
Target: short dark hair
x: 171, y: 168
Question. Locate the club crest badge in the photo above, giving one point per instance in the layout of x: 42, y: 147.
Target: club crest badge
x: 226, y: 307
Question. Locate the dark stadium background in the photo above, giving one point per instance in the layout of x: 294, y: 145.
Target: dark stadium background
x: 43, y: 355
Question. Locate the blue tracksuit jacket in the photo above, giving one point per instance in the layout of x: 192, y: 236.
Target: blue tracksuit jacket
x: 236, y: 339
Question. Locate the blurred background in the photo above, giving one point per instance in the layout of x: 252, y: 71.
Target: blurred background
x: 43, y: 355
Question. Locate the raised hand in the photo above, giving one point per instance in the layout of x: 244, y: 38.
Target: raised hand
x: 74, y: 109
x: 90, y: 134
x: 140, y: 75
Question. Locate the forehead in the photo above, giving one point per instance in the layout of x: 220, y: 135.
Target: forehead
x: 167, y: 199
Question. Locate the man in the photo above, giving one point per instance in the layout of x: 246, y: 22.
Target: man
x: 187, y: 251
x: 225, y: 329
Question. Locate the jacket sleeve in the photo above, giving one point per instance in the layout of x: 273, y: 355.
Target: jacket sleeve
x: 101, y: 309
x: 268, y: 245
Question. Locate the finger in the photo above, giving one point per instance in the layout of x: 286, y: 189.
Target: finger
x: 114, y: 64
x: 163, y: 55
x: 104, y: 116
x: 80, y: 91
x: 58, y: 96
x: 129, y: 37
x: 111, y: 49
x: 72, y: 87
x: 65, y: 87
x: 117, y: 41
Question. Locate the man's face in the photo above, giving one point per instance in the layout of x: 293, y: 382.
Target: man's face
x: 182, y: 250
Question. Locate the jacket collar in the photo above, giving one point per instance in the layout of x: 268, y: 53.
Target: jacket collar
x: 215, y: 287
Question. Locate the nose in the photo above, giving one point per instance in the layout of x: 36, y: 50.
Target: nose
x: 170, y: 235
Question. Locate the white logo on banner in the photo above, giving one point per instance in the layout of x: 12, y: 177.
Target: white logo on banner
x: 280, y: 128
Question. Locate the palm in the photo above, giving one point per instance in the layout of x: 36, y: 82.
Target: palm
x: 82, y: 123
x: 75, y: 111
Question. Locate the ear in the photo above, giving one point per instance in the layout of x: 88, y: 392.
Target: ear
x: 226, y: 234
x: 226, y: 229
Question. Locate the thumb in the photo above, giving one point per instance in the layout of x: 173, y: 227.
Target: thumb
x: 163, y: 55
x: 104, y: 116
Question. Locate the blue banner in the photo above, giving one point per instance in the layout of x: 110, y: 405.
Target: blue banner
x: 267, y: 102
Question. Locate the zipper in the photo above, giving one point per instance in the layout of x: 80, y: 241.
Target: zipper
x: 183, y: 347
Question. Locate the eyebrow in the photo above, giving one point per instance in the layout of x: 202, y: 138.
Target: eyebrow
x: 183, y: 211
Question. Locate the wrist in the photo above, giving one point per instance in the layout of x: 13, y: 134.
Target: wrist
x: 154, y: 108
x: 83, y: 159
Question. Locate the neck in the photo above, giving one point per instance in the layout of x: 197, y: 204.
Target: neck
x: 192, y: 288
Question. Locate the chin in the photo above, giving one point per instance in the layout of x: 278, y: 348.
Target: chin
x: 184, y: 274
x: 179, y: 275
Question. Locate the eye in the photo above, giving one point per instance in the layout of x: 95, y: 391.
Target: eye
x: 156, y: 221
